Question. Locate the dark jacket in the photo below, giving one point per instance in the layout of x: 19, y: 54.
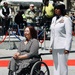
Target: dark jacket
x: 18, y: 18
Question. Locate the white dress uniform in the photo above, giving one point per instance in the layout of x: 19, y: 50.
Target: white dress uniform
x: 61, y: 39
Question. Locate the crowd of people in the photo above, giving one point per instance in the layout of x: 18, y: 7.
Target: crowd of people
x: 30, y: 16
x: 27, y: 17
x: 60, y: 37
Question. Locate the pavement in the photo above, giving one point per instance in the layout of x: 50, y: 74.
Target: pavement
x: 46, y: 58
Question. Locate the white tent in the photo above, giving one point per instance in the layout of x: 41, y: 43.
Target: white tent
x: 1, y: 3
x: 25, y: 2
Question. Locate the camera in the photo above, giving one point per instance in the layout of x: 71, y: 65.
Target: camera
x: 39, y: 21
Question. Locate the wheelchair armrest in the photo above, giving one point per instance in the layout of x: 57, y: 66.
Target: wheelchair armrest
x: 36, y: 56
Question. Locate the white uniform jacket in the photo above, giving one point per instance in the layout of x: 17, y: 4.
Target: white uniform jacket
x: 61, y: 33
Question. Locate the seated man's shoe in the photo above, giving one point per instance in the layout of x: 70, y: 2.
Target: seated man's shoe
x: 10, y: 72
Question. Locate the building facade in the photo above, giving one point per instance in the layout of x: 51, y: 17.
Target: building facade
x: 70, y: 5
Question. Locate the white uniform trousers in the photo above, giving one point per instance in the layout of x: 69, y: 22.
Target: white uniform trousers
x: 60, y: 62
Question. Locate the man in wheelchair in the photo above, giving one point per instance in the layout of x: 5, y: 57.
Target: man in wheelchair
x: 21, y: 62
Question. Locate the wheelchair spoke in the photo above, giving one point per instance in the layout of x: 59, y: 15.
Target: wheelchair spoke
x: 40, y: 68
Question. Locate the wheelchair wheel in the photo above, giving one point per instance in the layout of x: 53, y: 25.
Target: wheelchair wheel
x: 40, y: 68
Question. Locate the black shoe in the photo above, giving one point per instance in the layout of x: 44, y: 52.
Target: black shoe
x: 10, y: 72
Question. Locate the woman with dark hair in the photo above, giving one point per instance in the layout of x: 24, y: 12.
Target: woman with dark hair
x: 27, y: 48
x: 61, y: 7
x: 61, y: 39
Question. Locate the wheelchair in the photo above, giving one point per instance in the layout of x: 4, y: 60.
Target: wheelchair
x: 37, y: 68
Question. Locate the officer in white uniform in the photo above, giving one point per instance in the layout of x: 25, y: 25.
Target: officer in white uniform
x: 61, y: 39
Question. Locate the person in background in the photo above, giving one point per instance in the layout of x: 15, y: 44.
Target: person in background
x: 5, y: 13
x: 48, y: 12
x: 27, y: 48
x: 24, y: 18
x: 19, y: 19
x: 73, y: 22
x: 30, y: 15
x: 61, y: 39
